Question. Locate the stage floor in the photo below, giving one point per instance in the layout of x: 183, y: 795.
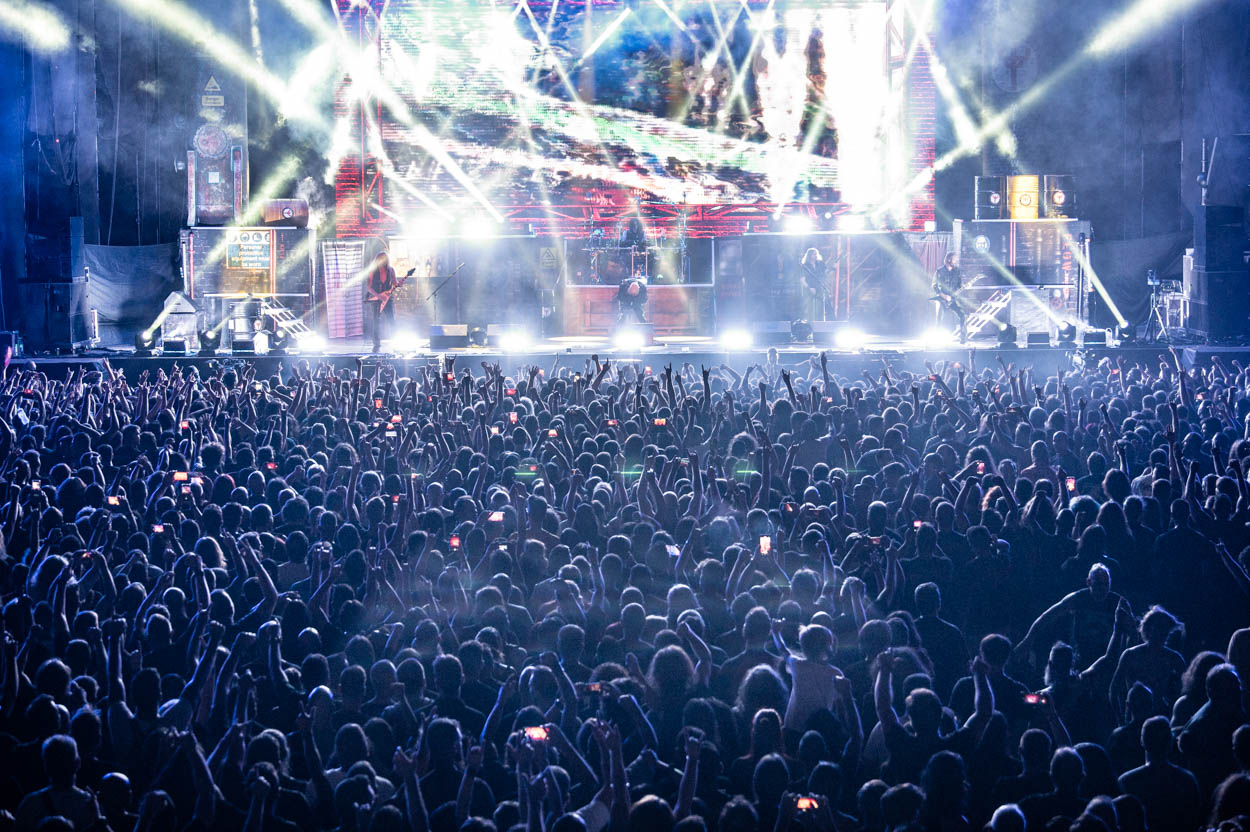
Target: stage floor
x: 576, y: 351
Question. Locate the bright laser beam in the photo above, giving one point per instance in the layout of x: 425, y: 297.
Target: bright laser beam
x: 1132, y: 24
x: 1015, y: 283
x: 39, y: 27
x: 604, y: 35
x: 1080, y: 257
x: 182, y: 22
x: 668, y: 10
x: 276, y: 183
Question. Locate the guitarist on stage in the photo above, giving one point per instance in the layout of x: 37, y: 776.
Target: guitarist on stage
x: 947, y: 283
x: 379, y: 311
x: 379, y: 294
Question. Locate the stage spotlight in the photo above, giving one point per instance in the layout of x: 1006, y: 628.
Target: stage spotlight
x: 210, y: 340
x: 800, y: 332
x: 852, y: 222
x: 1007, y: 336
x: 145, y: 342
x: 930, y: 226
x: 174, y: 346
x: 849, y: 338
x: 936, y: 338
x: 629, y: 340
x: 312, y: 343
x: 405, y: 342
x: 1065, y: 335
x: 1126, y: 333
x: 513, y: 341
x: 477, y: 336
x: 736, y: 340
x: 799, y: 224
x: 278, y: 342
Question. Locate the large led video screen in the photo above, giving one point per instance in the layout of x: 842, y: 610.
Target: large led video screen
x: 486, y: 106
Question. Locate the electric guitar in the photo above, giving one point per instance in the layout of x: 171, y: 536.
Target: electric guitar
x: 948, y: 299
x: 384, y: 298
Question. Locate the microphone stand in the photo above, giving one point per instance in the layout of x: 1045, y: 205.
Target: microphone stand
x: 444, y: 283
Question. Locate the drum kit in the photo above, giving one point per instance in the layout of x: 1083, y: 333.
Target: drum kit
x: 627, y: 252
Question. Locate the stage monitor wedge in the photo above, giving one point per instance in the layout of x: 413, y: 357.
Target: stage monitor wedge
x: 449, y: 336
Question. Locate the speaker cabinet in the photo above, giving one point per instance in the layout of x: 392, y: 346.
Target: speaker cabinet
x: 56, y: 316
x: 1058, y: 197
x: 1219, y: 302
x: 991, y: 198
x: 1220, y: 238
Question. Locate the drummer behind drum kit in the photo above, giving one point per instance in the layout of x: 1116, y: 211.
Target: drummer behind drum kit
x: 628, y: 253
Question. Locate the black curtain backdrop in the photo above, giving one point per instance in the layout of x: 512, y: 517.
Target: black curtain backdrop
x: 1121, y: 266
x: 128, y: 286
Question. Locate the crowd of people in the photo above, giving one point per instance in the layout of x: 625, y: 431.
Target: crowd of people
x: 415, y: 596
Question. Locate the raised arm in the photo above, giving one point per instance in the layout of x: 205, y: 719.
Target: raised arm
x: 689, y: 777
x: 982, y: 697
x: 883, y: 691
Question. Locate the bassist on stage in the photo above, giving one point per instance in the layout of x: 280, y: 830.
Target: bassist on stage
x: 947, y: 283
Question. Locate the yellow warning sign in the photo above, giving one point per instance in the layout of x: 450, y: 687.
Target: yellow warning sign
x: 547, y: 258
x: 212, y: 85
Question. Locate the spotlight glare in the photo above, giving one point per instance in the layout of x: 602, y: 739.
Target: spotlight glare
x: 736, y: 340
x: 405, y: 342
x: 937, y: 338
x: 312, y: 343
x: 852, y: 222
x: 629, y: 340
x: 798, y: 224
x: 514, y: 341
x: 427, y: 226
x: 849, y: 338
x: 479, y: 228
x: 42, y: 29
